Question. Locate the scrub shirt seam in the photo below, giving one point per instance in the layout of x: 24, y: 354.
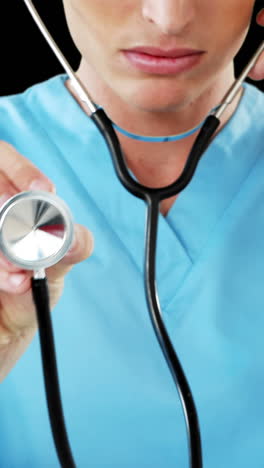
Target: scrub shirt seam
x: 229, y: 205
x: 44, y: 131
x: 180, y: 238
x: 213, y: 232
x: 248, y: 88
x: 171, y: 300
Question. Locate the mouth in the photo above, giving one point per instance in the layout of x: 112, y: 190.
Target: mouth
x: 158, y: 61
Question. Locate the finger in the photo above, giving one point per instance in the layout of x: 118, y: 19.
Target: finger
x: 7, y: 266
x: 15, y: 283
x: 81, y: 249
x: 260, y: 17
x: 21, y: 172
x: 7, y: 188
x: 257, y: 72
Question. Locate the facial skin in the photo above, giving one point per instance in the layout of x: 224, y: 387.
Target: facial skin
x: 101, y: 29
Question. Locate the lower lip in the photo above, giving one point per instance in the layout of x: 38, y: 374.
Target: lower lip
x: 162, y: 65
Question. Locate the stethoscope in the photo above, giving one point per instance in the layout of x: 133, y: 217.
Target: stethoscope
x: 36, y: 231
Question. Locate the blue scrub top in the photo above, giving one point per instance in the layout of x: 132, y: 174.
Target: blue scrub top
x: 121, y: 406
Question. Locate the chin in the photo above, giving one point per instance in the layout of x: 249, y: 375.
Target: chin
x: 152, y: 96
x: 158, y: 103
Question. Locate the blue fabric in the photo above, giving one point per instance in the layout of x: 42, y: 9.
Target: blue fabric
x: 122, y: 409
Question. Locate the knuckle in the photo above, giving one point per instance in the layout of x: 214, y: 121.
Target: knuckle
x: 4, y: 145
x: 6, y: 338
x: 6, y: 189
x: 6, y: 335
x: 26, y: 175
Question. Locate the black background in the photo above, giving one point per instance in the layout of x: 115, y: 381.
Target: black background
x: 27, y: 59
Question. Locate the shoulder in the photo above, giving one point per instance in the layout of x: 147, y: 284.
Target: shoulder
x: 45, y: 119
x: 252, y: 108
x: 251, y: 122
x: 47, y: 126
x: 23, y: 112
x: 31, y: 99
x: 254, y: 100
x: 244, y: 131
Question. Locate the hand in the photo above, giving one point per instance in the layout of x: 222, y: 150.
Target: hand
x: 17, y: 312
x: 257, y: 73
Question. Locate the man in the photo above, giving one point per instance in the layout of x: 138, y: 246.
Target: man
x: 156, y: 70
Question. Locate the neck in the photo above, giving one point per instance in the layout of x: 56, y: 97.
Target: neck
x: 157, y: 164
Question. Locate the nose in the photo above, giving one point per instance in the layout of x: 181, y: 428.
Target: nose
x: 170, y: 16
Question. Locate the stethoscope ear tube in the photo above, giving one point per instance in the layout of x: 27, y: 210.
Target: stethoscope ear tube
x: 40, y: 295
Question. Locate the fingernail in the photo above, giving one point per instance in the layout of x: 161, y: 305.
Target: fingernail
x: 16, y: 279
x: 74, y: 241
x: 39, y: 184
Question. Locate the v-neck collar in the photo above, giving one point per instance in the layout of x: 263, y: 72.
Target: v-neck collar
x: 197, y: 210
x: 221, y: 171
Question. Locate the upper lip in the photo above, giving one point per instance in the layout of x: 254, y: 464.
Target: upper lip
x: 158, y: 52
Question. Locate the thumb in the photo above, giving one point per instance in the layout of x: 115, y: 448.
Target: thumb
x: 81, y: 249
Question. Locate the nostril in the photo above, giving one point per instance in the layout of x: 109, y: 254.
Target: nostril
x: 169, y: 16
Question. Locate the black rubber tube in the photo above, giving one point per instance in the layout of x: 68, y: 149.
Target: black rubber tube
x: 153, y: 196
x: 41, y: 299
x: 184, y: 391
x: 104, y: 125
x: 41, y: 296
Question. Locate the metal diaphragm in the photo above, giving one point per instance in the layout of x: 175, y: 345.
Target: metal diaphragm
x: 36, y: 229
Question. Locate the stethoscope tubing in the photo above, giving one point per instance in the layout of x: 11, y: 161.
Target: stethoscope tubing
x: 40, y: 293
x: 153, y: 197
x: 182, y: 385
x: 105, y: 127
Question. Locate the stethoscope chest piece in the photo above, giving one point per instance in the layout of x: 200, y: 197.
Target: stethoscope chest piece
x: 36, y: 230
